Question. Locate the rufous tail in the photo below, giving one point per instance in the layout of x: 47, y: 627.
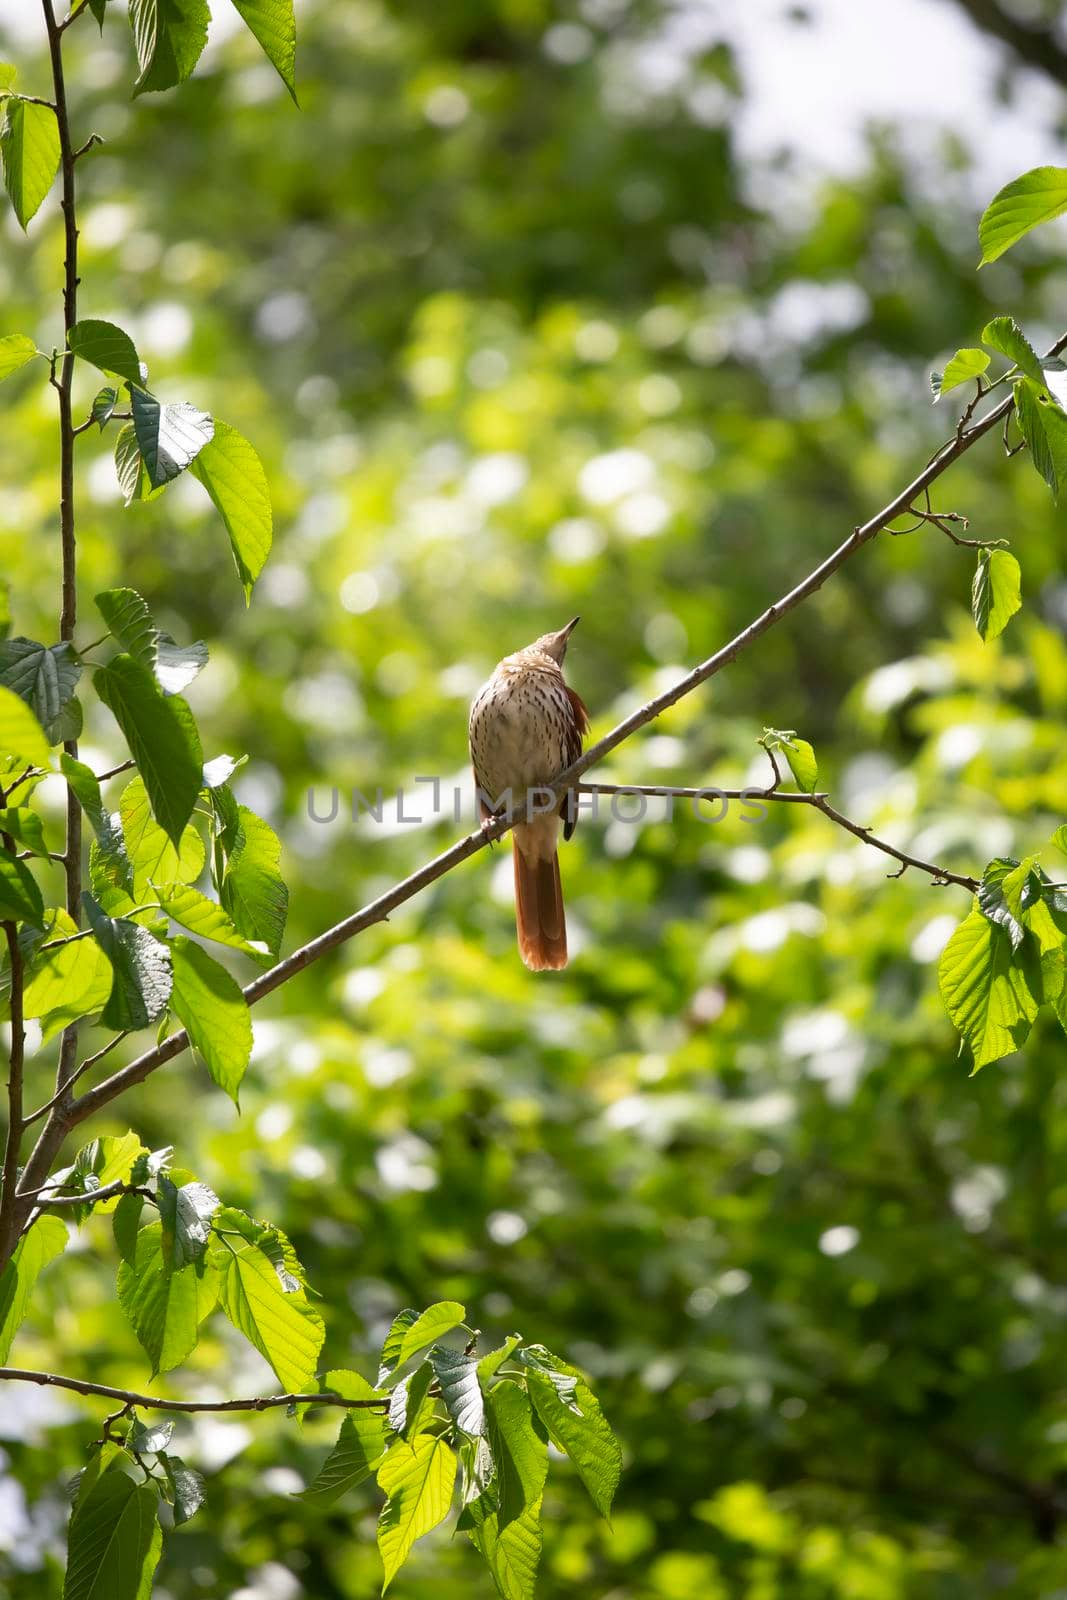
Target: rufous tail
x: 539, y: 914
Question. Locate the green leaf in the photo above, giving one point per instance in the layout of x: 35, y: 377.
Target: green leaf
x: 169, y: 437
x: 252, y: 890
x: 44, y: 677
x: 988, y: 994
x: 15, y: 350
x: 393, y: 1340
x: 162, y: 738
x: 519, y: 1452
x: 152, y: 856
x: 104, y: 824
x: 5, y: 608
x: 418, y: 1480
x: 8, y: 76
x: 21, y: 733
x: 127, y: 615
x: 512, y: 1553
x: 141, y: 969
x: 1038, y: 196
x: 20, y: 898
x: 1044, y: 427
x: 359, y: 1448
x: 25, y: 827
x: 125, y: 1225
x: 802, y: 763
x: 996, y: 592
x: 46, y: 1239
x: 490, y: 1364
x: 575, y: 1423
x: 273, y: 24
x: 214, y: 1011
x: 71, y: 981
x: 434, y: 1322
x: 964, y: 366
x: 106, y: 347
x: 165, y: 1308
x: 504, y: 1520
x: 29, y: 146
x: 1028, y: 414
x: 233, y: 476
x: 282, y: 1325
x: 1005, y: 335
x: 457, y: 1375
x: 346, y: 1383
x: 1059, y: 838
x: 185, y: 1213
x: 103, y: 405
x: 206, y: 919
x: 115, y: 1541
x: 187, y: 1491
x: 169, y: 36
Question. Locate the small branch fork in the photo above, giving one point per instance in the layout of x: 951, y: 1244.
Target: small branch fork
x: 942, y: 520
x: 152, y: 1402
x: 66, y: 1113
x: 819, y: 801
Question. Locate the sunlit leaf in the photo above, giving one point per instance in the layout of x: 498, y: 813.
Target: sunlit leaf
x: 46, y: 1239
x: 214, y: 1011
x: 418, y: 1479
x: 1038, y: 196
x: 273, y: 24
x: 233, y: 476
x: 165, y: 1308
x: 15, y: 350
x: 964, y: 367
x: 996, y: 593
x: 29, y: 146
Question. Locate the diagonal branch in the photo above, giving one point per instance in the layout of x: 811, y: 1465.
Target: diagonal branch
x: 67, y: 1115
x: 153, y: 1402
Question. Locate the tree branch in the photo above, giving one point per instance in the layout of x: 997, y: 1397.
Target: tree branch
x: 69, y: 609
x: 64, y: 1116
x: 1037, y: 47
x: 818, y: 801
x: 16, y: 1061
x: 153, y: 1402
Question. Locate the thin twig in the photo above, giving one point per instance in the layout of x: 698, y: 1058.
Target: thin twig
x: 819, y: 801
x: 113, y: 772
x: 79, y: 1071
x: 89, y: 1197
x: 66, y: 1116
x: 710, y: 792
x: 154, y: 1402
x: 939, y: 875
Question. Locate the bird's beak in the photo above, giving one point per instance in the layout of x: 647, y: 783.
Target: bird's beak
x: 566, y: 632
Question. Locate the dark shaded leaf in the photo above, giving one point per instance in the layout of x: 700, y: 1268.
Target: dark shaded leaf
x: 162, y: 738
x: 169, y: 437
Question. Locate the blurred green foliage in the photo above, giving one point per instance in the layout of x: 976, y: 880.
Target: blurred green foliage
x: 515, y: 341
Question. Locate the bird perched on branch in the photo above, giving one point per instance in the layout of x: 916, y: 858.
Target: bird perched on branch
x: 526, y: 726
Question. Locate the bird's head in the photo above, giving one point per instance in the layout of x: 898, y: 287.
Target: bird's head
x: 555, y: 644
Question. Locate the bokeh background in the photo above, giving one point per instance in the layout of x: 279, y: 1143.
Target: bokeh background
x: 628, y: 309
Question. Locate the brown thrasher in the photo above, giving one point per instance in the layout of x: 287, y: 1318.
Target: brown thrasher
x: 526, y: 726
